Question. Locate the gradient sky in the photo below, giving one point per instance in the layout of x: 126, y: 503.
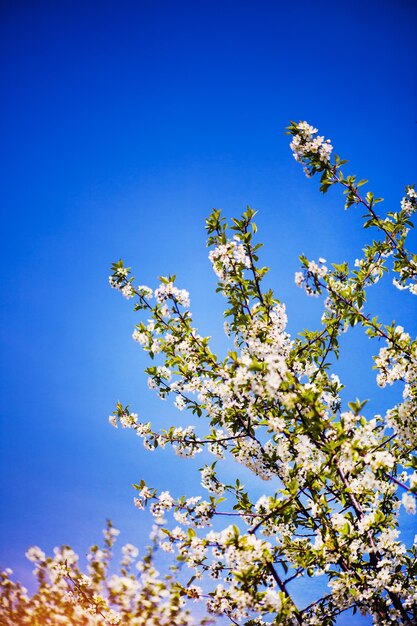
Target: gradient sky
x: 123, y: 124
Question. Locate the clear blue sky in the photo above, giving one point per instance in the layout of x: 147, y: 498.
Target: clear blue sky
x: 123, y: 124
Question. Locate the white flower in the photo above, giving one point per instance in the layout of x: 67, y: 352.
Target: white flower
x: 169, y: 291
x: 127, y: 291
x: 140, y: 337
x: 409, y: 503
x: 35, y: 554
x: 179, y: 402
x: 139, y: 503
x: 299, y: 279
x: 145, y: 291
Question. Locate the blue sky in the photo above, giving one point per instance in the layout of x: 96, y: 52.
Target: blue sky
x: 123, y: 124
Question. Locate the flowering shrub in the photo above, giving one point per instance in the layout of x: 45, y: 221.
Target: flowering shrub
x: 136, y: 596
x: 334, y: 479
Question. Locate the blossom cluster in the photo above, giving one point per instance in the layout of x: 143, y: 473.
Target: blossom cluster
x: 228, y: 256
x: 310, y: 149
